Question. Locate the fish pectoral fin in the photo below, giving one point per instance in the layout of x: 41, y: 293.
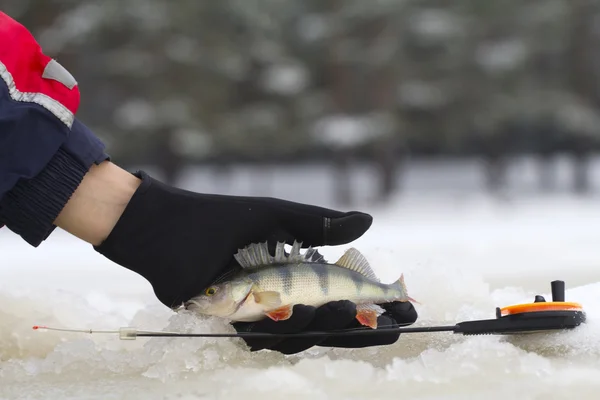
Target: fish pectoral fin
x: 367, y: 314
x: 281, y: 313
x: 268, y: 299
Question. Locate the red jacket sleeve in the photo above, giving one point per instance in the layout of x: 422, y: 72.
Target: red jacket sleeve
x: 44, y: 150
x: 32, y: 76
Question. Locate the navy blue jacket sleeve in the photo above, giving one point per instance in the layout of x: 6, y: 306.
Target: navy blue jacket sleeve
x: 44, y: 150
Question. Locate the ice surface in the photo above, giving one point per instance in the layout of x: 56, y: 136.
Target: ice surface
x: 460, y: 260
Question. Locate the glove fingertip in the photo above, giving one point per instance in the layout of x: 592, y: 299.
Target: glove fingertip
x: 342, y: 230
x: 402, y: 311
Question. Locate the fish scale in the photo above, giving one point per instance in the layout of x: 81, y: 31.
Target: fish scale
x: 271, y: 285
x: 303, y: 283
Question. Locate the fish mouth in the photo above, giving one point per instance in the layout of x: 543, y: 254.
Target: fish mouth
x: 191, y: 305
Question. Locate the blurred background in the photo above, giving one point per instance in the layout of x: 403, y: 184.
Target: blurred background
x: 337, y: 102
x: 469, y: 129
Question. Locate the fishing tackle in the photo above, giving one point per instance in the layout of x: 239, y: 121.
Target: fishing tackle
x: 527, y: 318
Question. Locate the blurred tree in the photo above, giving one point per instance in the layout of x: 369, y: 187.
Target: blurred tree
x: 266, y: 81
x: 580, y: 115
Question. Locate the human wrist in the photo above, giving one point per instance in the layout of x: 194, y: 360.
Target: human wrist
x: 98, y: 203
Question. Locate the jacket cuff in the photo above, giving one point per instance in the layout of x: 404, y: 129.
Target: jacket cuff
x: 30, y: 208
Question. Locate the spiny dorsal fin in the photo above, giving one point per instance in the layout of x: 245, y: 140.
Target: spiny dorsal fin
x: 313, y: 255
x: 257, y: 255
x: 355, y: 261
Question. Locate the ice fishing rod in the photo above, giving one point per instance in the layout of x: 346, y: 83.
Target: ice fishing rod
x: 538, y: 316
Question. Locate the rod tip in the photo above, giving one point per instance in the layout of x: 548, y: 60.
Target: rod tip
x: 39, y: 327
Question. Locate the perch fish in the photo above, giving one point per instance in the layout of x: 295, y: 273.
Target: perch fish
x: 271, y: 285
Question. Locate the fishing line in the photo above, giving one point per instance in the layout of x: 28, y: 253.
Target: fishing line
x: 128, y: 333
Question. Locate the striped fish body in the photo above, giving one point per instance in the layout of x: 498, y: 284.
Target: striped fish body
x: 315, y: 284
x: 271, y: 285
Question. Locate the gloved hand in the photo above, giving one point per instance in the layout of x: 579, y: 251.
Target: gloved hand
x: 182, y: 241
x: 331, y: 316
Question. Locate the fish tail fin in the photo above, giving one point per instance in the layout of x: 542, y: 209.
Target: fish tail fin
x: 401, y: 285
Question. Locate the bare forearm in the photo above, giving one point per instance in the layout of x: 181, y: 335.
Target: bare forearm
x: 98, y: 202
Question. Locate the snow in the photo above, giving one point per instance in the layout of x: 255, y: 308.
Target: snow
x: 576, y: 115
x: 461, y: 259
x: 435, y: 24
x: 347, y: 131
x: 136, y: 113
x: 502, y: 56
x: 71, y: 27
x: 285, y: 79
x: 192, y: 143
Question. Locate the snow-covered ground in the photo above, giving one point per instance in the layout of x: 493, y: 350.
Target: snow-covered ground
x: 461, y: 258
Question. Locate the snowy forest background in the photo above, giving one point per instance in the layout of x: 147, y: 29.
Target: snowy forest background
x: 387, y: 85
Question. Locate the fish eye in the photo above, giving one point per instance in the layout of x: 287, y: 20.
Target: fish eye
x: 210, y: 291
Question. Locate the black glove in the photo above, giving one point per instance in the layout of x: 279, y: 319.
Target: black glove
x: 331, y: 316
x: 182, y: 241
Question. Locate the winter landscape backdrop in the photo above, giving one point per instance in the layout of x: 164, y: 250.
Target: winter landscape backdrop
x: 383, y: 82
x: 468, y: 128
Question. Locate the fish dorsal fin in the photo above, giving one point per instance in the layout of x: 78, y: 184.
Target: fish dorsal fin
x: 257, y: 255
x: 313, y: 255
x: 355, y: 261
